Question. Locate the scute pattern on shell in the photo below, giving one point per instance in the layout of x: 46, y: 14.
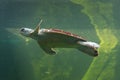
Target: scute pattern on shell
x: 64, y: 32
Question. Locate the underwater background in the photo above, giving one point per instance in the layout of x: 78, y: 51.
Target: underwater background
x: 96, y: 20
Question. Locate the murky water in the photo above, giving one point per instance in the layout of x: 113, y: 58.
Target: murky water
x: 96, y: 20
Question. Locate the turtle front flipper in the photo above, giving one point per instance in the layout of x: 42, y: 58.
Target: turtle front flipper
x: 47, y: 49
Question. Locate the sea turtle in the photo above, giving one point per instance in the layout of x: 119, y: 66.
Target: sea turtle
x: 56, y: 38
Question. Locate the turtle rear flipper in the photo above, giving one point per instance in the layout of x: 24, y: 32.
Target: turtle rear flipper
x: 89, y: 48
x: 48, y: 50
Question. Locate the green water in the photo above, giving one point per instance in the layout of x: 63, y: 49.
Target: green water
x: 96, y: 20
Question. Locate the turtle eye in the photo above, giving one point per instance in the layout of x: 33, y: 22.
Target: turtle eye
x: 22, y: 29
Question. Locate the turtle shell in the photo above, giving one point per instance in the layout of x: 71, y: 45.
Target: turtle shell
x: 64, y: 34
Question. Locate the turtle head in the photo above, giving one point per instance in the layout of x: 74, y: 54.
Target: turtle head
x: 30, y: 32
x: 26, y: 31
